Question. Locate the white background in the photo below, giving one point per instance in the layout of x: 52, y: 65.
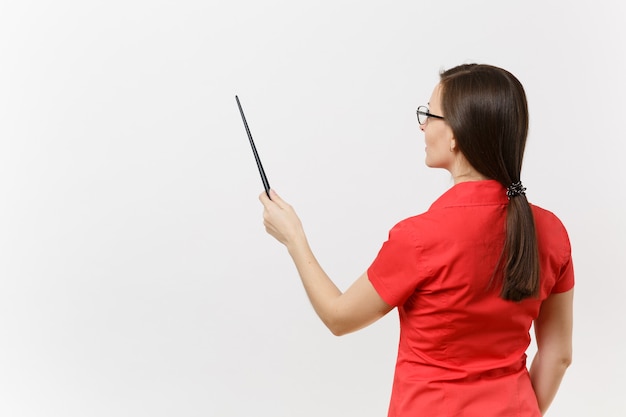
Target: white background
x: 136, y: 278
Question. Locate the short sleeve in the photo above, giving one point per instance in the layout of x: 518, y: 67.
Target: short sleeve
x: 565, y: 280
x: 396, y: 271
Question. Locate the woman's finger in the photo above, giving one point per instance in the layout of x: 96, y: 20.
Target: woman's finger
x: 276, y: 199
x: 265, y: 200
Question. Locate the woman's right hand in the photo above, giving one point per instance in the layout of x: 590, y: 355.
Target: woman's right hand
x: 281, y: 220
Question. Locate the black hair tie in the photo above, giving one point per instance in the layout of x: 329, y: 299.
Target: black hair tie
x: 515, y: 189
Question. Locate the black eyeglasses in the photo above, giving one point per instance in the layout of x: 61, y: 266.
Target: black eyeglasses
x: 423, y: 114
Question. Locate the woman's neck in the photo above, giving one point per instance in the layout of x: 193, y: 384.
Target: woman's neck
x: 468, y: 177
x: 462, y: 171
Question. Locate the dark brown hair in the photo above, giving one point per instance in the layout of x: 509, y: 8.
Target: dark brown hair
x: 486, y: 108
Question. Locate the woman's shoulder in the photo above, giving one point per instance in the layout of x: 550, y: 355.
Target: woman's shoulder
x: 419, y: 227
x: 546, y: 218
x: 550, y: 229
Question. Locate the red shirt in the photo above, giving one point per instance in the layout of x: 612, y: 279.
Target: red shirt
x: 462, y: 347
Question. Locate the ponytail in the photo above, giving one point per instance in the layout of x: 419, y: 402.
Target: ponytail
x: 520, y: 254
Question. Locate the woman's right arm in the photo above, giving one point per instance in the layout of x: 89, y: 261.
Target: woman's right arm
x: 553, y: 331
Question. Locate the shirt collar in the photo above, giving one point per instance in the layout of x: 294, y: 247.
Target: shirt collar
x: 472, y: 193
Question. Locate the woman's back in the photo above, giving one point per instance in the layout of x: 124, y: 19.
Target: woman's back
x: 456, y: 330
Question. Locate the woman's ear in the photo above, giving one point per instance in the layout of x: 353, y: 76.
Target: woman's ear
x: 452, y: 145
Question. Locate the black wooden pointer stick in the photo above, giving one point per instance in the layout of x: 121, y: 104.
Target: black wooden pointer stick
x: 266, y: 184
